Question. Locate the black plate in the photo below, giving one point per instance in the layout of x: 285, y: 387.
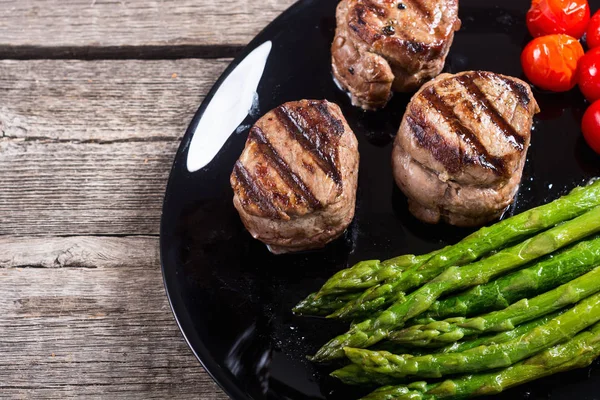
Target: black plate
x: 232, y: 298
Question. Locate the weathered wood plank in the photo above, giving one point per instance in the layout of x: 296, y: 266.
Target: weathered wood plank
x: 72, y: 331
x: 89, y: 24
x: 102, y: 100
x: 86, y: 147
x: 77, y: 252
x: 82, y: 189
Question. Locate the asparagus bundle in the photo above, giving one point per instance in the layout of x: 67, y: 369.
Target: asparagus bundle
x: 578, y: 352
x: 384, y: 281
x: 559, y: 329
x: 354, y: 374
x: 508, y: 346
x: 480, y: 243
x: 371, y: 331
x: 454, y: 329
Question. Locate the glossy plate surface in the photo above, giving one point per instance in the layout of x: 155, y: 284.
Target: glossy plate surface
x: 232, y: 298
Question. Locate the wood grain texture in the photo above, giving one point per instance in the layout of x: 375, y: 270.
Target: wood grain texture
x: 86, y: 147
x: 88, y: 317
x: 103, y: 101
x: 83, y: 189
x: 77, y: 252
x: 85, y: 152
x: 29, y: 26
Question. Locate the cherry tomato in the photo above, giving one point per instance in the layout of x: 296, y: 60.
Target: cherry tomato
x: 590, y: 125
x: 550, y: 62
x: 593, y: 31
x: 589, y: 75
x: 546, y: 17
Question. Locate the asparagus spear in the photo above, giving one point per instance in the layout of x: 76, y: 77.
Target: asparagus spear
x: 454, y: 329
x: 578, y: 352
x: 347, y: 284
x: 322, y: 306
x: 471, y: 248
x: 498, y: 338
x: 369, y: 273
x: 456, y: 347
x: 372, y: 300
x: 371, y: 331
x: 396, y: 348
x: 586, y: 313
x: 360, y: 277
x: 354, y: 374
x: 500, y: 293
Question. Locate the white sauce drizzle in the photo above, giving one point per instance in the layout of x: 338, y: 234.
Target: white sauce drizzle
x: 228, y: 108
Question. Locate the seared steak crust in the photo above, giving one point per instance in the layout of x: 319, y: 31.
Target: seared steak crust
x: 461, y: 148
x: 295, y: 182
x: 385, y: 45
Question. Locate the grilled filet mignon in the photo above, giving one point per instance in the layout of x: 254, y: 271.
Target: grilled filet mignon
x: 295, y: 182
x: 385, y: 45
x: 461, y: 148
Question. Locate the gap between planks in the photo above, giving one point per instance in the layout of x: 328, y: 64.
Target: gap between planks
x: 118, y: 52
x: 131, y: 29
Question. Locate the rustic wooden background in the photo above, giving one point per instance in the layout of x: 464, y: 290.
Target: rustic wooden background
x: 95, y: 97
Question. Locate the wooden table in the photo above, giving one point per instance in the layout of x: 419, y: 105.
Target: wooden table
x: 95, y: 97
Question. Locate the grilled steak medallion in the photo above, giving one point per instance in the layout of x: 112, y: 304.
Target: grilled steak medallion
x: 461, y: 148
x: 385, y: 45
x: 295, y: 182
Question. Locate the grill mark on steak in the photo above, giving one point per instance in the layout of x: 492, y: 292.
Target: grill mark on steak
x: 254, y: 192
x: 516, y: 140
x: 391, y: 28
x: 360, y: 12
x: 325, y: 132
x: 420, y: 8
x: 293, y: 181
x: 380, y: 11
x: 427, y: 137
x: 360, y: 27
x: 333, y: 124
x: 495, y: 164
x: 517, y: 88
x: 323, y: 152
